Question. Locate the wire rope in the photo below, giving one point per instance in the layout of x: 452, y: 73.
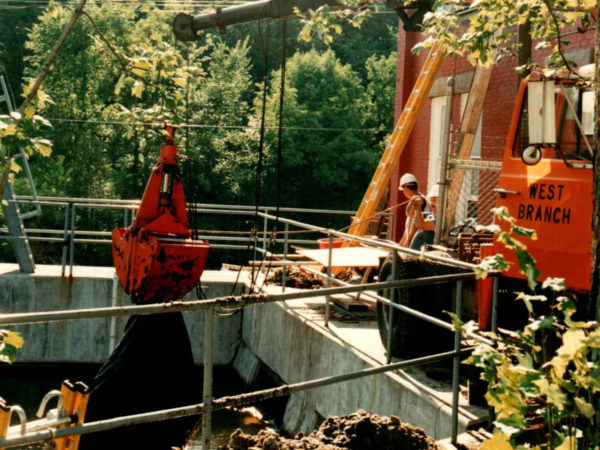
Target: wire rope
x: 210, y: 126
x: 257, y: 184
x: 279, y: 148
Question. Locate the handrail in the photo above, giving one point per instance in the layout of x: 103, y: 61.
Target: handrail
x: 72, y: 236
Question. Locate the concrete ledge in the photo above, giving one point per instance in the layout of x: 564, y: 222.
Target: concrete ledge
x: 89, y: 340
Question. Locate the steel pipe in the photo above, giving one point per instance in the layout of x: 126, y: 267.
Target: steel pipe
x: 456, y: 363
x: 220, y: 302
x: 208, y: 379
x: 221, y: 403
x: 187, y: 27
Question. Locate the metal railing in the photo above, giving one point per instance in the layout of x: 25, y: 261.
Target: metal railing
x: 69, y: 236
x: 209, y: 404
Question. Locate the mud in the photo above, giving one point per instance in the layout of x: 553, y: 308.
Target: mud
x: 356, y: 431
x: 295, y: 278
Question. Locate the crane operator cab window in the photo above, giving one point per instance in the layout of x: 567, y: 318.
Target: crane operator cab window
x: 556, y: 121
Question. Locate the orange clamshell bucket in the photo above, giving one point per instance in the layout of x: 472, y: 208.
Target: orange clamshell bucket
x: 155, y: 258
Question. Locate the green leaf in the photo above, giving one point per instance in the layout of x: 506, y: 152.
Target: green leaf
x: 555, y: 284
x: 120, y: 84
x: 586, y: 408
x: 43, y: 146
x: 552, y: 392
x: 491, y: 264
x: 526, y: 232
x: 528, y: 299
x: 14, y: 167
x: 566, y: 305
x: 138, y: 89
x: 30, y: 111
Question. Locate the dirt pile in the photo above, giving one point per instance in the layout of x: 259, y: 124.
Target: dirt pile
x: 295, y: 278
x: 356, y: 431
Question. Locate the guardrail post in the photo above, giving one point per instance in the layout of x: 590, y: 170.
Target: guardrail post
x: 72, y: 243
x: 391, y: 310
x: 286, y: 230
x: 265, y: 228
x: 328, y: 282
x: 63, y: 259
x: 207, y: 384
x: 456, y: 368
x: 495, y: 304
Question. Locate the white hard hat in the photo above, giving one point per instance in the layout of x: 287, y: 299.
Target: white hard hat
x: 434, y: 191
x: 407, y: 178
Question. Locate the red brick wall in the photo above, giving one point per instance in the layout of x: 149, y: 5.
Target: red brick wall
x: 497, y: 108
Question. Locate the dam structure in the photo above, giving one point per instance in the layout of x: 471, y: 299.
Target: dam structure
x: 332, y: 358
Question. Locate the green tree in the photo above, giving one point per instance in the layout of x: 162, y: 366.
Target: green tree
x: 225, y: 150
x: 14, y: 25
x: 381, y: 89
x: 326, y: 157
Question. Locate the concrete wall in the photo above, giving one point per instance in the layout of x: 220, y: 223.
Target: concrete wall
x: 88, y: 341
x: 298, y: 350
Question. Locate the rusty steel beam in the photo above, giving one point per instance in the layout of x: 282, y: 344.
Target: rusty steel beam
x: 186, y: 26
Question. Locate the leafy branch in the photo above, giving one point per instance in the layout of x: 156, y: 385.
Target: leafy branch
x: 10, y: 345
x: 543, y: 380
x: 33, y: 95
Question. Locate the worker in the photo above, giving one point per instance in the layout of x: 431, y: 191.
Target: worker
x: 417, y: 204
x: 425, y: 223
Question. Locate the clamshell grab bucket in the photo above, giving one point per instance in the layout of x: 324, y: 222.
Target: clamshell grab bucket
x: 155, y: 258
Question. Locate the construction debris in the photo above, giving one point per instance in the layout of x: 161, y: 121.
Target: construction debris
x: 295, y: 278
x: 356, y: 431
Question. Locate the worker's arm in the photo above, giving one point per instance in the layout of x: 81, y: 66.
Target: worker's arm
x: 424, y: 224
x: 413, y: 211
x: 416, y: 207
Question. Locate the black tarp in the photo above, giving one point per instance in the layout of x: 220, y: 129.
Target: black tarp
x: 151, y: 369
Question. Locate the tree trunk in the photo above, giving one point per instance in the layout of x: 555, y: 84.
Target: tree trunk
x: 595, y: 288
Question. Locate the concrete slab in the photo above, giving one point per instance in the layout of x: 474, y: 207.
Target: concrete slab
x: 290, y: 338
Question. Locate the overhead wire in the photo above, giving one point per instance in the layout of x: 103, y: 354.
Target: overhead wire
x: 209, y: 126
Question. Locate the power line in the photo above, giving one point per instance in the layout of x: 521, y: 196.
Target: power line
x: 121, y: 2
x: 42, y: 4
x: 211, y: 126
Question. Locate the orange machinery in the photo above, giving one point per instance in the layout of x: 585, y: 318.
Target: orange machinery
x: 155, y: 258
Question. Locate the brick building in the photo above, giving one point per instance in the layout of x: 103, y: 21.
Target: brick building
x: 421, y: 156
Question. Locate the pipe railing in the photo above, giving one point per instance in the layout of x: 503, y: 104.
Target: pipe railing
x: 71, y: 236
x: 217, y: 404
x: 209, y: 404
x: 234, y: 301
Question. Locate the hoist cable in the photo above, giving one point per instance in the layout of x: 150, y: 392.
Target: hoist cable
x: 279, y: 144
x: 265, y: 48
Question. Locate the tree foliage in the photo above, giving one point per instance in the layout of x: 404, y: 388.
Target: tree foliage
x: 491, y: 27
x: 325, y: 152
x: 121, y: 74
